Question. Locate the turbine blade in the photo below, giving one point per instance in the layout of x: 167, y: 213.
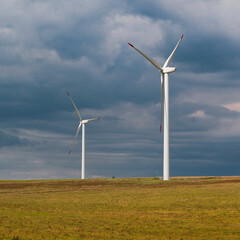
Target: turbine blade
x: 162, y: 92
x: 154, y: 63
x: 75, y: 139
x: 166, y: 64
x: 78, y: 114
x: 92, y: 119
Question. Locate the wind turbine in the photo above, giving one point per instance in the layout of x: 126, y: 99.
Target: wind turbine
x: 81, y: 123
x: 165, y: 70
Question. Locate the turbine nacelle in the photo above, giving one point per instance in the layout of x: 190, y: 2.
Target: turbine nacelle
x: 88, y: 120
x: 84, y: 121
x: 169, y: 69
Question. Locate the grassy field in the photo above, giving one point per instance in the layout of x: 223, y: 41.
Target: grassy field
x: 138, y: 208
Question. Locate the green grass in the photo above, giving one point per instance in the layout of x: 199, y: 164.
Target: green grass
x: 137, y: 208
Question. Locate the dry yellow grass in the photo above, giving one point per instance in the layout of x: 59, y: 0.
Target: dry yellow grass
x: 138, y: 208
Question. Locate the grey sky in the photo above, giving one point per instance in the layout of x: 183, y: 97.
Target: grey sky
x: 50, y: 47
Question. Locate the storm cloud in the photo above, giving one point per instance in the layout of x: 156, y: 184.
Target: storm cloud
x: 50, y: 47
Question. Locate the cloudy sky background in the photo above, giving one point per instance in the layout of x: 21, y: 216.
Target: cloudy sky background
x: 50, y: 47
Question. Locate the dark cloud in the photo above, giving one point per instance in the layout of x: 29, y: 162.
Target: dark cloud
x: 8, y: 139
x: 198, y: 117
x: 48, y: 48
x: 206, y: 54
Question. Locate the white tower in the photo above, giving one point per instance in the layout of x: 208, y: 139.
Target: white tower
x: 81, y: 123
x: 165, y: 70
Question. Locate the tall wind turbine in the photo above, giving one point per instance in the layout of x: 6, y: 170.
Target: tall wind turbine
x: 165, y: 70
x: 81, y: 123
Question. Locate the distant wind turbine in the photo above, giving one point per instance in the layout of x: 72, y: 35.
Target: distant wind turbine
x: 81, y: 123
x: 165, y: 70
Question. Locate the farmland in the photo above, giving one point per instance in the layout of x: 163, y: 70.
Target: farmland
x: 137, y: 208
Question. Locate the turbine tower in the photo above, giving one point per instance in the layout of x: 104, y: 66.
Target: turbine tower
x: 81, y: 123
x: 165, y: 70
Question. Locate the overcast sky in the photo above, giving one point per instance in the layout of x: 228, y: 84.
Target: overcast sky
x: 50, y: 47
